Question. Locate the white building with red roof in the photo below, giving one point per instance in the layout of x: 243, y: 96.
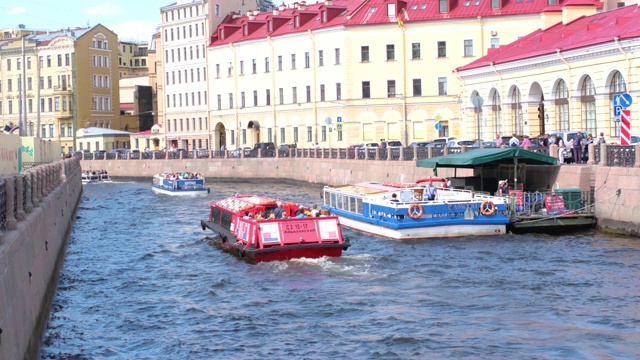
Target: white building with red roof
x: 574, y: 67
x: 344, y: 72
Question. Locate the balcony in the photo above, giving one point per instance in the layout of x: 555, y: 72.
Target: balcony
x: 62, y: 90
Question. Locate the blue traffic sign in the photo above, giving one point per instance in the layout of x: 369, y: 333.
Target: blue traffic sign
x: 438, y: 126
x: 623, y: 100
x: 339, y: 119
x: 617, y: 109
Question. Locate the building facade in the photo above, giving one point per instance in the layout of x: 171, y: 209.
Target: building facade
x: 184, y: 36
x: 339, y: 73
x: 562, y: 77
x: 133, y: 59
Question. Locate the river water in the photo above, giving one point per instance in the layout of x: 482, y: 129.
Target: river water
x: 141, y: 281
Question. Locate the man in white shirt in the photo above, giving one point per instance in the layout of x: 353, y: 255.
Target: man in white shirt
x: 430, y: 191
x: 514, y: 142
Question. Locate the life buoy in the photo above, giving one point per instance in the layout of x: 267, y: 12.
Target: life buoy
x: 487, y: 208
x: 415, y: 211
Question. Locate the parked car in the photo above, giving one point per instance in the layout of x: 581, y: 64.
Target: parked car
x: 132, y: 153
x: 369, y: 144
x: 283, y: 149
x: 394, y: 144
x: 200, y: 153
x: 460, y: 143
x: 444, y: 139
x: 238, y: 152
x: 420, y: 143
x: 268, y: 149
x: 567, y: 136
x: 486, y: 144
x: 120, y: 153
x: 635, y: 139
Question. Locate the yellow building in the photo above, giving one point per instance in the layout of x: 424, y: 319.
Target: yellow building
x: 562, y: 77
x: 69, y: 76
x: 133, y: 59
x: 339, y: 73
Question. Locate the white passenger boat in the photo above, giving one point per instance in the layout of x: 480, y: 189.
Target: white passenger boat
x: 179, y: 184
x: 94, y: 177
x: 367, y: 207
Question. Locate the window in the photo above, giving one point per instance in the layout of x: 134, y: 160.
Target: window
x: 49, y: 61
x: 266, y: 64
x: 241, y: 67
x: 364, y: 54
x: 442, y: 49
x: 391, y: 10
x: 337, y: 53
x: 442, y: 6
x: 255, y: 97
x: 415, y: 51
x: 59, y: 60
x: 29, y: 62
x: 391, y: 88
x: 9, y: 85
x: 307, y: 61
x: 282, y: 135
x: 495, y: 43
x: 468, y: 48
x: 242, y: 100
x: 295, y: 134
x: 217, y: 72
x: 8, y: 64
x: 324, y: 133
x: 230, y: 100
x: 293, y: 61
x: 338, y: 91
x: 281, y: 93
x: 366, y: 90
x: 219, y: 98
x: 417, y: 87
x: 442, y: 86
x: 320, y: 58
x: 309, y: 134
x: 322, y: 94
x: 308, y: 93
x: 19, y: 63
x: 294, y: 93
x: 254, y: 66
x: 279, y: 62
x: 268, y: 102
x: 495, y: 4
x: 391, y: 52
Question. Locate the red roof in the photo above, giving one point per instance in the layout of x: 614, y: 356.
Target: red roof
x: 365, y: 12
x: 621, y: 23
x: 126, y: 106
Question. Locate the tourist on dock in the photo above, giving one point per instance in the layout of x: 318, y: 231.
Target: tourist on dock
x: 499, y: 142
x: 601, y: 139
x: 514, y: 142
x: 430, y: 191
x: 585, y: 151
x: 279, y: 210
x: 526, y: 142
x: 503, y: 188
x: 222, y: 148
x: 446, y: 183
x: 561, y: 148
x: 578, y: 142
x: 394, y: 198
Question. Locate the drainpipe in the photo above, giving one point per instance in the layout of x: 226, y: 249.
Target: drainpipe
x: 570, y: 85
x: 617, y: 40
x: 315, y: 85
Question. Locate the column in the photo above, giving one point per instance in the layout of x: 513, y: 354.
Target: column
x: 10, y: 188
x: 20, y: 215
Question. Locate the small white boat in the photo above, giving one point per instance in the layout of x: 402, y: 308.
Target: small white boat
x: 175, y: 185
x: 95, y: 177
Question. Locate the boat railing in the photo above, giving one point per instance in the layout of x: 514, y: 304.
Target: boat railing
x: 550, y: 203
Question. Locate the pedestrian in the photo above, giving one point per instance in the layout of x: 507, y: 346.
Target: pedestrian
x: 601, y: 139
x: 498, y: 141
x: 578, y: 143
x: 514, y: 142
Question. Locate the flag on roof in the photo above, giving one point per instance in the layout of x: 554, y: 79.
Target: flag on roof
x: 406, y: 14
x: 14, y: 128
x: 7, y: 128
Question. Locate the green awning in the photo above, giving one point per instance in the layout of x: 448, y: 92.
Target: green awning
x: 487, y: 156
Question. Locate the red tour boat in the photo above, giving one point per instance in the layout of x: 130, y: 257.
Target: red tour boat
x: 253, y: 228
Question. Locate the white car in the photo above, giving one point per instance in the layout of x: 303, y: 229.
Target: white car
x: 460, y: 143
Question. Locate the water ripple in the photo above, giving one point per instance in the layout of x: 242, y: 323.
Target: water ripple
x: 142, y: 281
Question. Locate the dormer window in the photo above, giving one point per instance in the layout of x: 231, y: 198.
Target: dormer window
x: 269, y: 26
x: 391, y: 10
x: 245, y: 30
x: 221, y: 34
x: 324, y: 16
x: 296, y: 21
x: 442, y: 6
x: 495, y: 4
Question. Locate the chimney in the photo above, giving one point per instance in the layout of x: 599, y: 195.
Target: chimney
x: 328, y: 2
x: 276, y: 12
x: 256, y: 12
x: 283, y: 6
x: 571, y: 12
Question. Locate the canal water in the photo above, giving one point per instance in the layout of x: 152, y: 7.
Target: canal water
x: 141, y: 281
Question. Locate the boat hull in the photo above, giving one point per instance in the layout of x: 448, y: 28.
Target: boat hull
x: 425, y: 232
x: 228, y: 243
x: 178, y: 192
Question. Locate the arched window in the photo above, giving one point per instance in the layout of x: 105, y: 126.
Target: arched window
x: 588, y: 101
x: 617, y: 86
x: 562, y: 106
x: 516, y: 111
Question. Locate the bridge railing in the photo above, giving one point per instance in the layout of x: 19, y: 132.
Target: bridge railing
x: 604, y: 154
x: 19, y: 193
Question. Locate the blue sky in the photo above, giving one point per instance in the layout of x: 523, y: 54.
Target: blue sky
x: 132, y: 20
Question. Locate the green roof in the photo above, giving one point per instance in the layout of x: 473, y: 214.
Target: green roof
x: 488, y: 156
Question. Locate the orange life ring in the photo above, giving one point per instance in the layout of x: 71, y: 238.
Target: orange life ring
x: 487, y: 208
x: 415, y: 211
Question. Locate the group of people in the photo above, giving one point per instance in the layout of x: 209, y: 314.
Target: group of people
x: 184, y: 176
x: 430, y: 191
x: 576, y: 150
x: 281, y: 213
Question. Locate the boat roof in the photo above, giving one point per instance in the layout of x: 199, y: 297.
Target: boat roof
x: 487, y: 156
x: 242, y: 202
x: 368, y: 188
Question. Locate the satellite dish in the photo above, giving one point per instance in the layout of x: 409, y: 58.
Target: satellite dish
x: 327, y: 120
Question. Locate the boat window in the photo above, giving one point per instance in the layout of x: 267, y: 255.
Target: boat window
x: 226, y: 220
x: 332, y: 200
x: 353, y: 204
x: 339, y: 201
x: 359, y: 206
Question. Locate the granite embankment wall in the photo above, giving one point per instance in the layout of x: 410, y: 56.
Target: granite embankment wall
x: 40, y: 206
x: 615, y: 213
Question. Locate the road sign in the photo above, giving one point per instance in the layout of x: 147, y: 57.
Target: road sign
x: 338, y: 127
x: 616, y: 110
x: 438, y: 126
x: 339, y: 119
x: 623, y: 100
x: 625, y: 127
x: 477, y: 101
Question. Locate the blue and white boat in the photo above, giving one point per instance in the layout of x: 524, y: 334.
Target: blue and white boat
x: 176, y: 185
x: 367, y: 207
